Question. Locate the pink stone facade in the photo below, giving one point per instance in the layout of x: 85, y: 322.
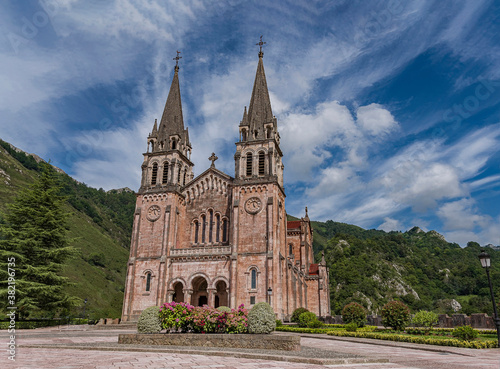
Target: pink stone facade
x: 216, y: 239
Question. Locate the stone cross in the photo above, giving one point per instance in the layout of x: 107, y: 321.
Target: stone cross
x: 177, y: 58
x: 260, y: 43
x: 213, y: 158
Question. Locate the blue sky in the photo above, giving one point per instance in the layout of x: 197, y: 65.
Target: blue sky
x: 388, y: 110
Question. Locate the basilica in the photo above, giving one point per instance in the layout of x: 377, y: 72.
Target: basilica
x: 216, y: 239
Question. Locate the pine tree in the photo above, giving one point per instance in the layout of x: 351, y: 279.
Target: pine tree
x: 34, y: 234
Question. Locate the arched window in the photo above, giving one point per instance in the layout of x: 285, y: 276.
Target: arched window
x: 261, y: 163
x: 253, y: 284
x: 224, y: 230
x: 249, y: 164
x: 196, y: 231
x: 174, y: 144
x: 290, y: 249
x: 148, y: 281
x: 165, y: 173
x: 210, y: 226
x: 217, y: 229
x: 203, y: 228
x: 244, y: 135
x: 184, y: 179
x: 179, y: 176
x: 154, y: 174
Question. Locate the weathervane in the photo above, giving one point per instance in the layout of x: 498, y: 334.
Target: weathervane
x: 177, y: 59
x: 213, y: 158
x: 260, y: 43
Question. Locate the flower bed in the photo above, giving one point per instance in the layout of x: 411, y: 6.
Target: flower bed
x: 175, y: 317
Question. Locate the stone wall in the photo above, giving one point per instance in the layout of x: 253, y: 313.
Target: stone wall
x: 251, y: 341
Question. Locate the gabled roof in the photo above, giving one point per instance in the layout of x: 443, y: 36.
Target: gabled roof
x: 216, y: 172
x: 292, y: 224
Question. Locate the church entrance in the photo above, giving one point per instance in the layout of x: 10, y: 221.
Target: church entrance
x: 178, y: 293
x: 200, y: 294
x: 221, y: 294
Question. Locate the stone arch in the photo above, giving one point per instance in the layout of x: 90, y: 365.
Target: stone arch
x: 199, y: 283
x: 221, y: 297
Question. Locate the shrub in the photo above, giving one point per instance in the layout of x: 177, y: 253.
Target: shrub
x: 465, y: 333
x: 175, y: 315
x: 354, y: 313
x: 237, y: 320
x: 261, y: 319
x: 224, y: 309
x: 351, y: 327
x: 149, y: 321
x: 279, y: 323
x: 309, y: 320
x: 296, y: 313
x: 426, y: 319
x: 395, y: 314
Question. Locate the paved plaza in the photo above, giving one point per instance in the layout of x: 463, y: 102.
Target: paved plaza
x: 75, y: 349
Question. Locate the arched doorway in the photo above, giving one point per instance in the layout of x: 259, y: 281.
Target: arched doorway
x: 221, y: 294
x: 178, y: 293
x: 200, y: 294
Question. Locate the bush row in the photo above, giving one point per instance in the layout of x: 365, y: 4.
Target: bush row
x: 412, y: 339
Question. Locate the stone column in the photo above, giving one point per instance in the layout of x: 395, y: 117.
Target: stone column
x: 211, y: 296
x: 170, y: 295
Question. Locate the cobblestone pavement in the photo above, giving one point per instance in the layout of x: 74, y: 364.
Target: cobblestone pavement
x: 408, y: 357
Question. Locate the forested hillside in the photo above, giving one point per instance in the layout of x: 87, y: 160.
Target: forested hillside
x: 101, y: 224
x: 420, y: 268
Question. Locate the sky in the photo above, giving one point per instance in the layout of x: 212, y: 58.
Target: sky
x: 388, y: 111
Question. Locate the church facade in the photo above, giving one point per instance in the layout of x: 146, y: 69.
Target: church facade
x: 215, y: 239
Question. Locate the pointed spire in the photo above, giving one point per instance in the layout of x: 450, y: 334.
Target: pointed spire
x: 307, y: 215
x: 154, y: 132
x: 172, y: 121
x: 244, y: 121
x: 259, y: 110
x: 323, y: 261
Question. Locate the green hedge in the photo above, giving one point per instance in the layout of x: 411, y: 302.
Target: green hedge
x: 285, y: 328
x: 419, y: 339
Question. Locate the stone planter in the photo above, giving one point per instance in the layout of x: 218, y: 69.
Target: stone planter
x: 249, y: 341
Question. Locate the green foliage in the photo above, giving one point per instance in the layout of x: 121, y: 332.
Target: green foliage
x: 296, y: 313
x: 279, y: 323
x: 261, y: 319
x: 395, y: 314
x: 465, y: 333
x: 309, y: 320
x: 34, y: 245
x: 175, y: 315
x: 224, y: 309
x: 149, y: 320
x: 351, y: 327
x: 413, y: 339
x: 354, y: 313
x: 426, y: 319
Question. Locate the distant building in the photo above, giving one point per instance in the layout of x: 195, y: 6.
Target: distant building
x: 216, y: 239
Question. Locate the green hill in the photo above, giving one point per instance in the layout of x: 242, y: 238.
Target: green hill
x: 101, y: 222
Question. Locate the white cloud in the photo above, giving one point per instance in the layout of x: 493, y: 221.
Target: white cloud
x: 390, y: 225
x: 462, y: 215
x: 375, y: 120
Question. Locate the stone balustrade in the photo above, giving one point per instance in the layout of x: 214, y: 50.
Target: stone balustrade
x: 201, y: 250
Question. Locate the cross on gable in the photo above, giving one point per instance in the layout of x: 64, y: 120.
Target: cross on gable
x: 213, y: 158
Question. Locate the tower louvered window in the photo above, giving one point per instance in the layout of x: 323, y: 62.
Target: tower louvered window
x: 184, y: 179
x: 179, y: 176
x: 249, y: 164
x: 217, y: 228
x: 203, y: 228
x: 224, y: 230
x: 154, y: 174
x: 261, y: 163
x: 165, y: 173
x: 196, y: 231
x: 210, y: 226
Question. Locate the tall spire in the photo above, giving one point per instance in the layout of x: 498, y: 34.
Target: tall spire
x: 259, y: 110
x: 172, y: 121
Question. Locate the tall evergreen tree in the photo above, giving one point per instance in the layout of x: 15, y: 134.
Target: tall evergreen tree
x: 34, y: 234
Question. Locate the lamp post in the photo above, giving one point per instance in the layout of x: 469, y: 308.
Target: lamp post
x: 269, y: 293
x: 486, y: 263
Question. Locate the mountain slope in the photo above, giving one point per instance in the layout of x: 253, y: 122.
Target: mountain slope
x: 101, y: 223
